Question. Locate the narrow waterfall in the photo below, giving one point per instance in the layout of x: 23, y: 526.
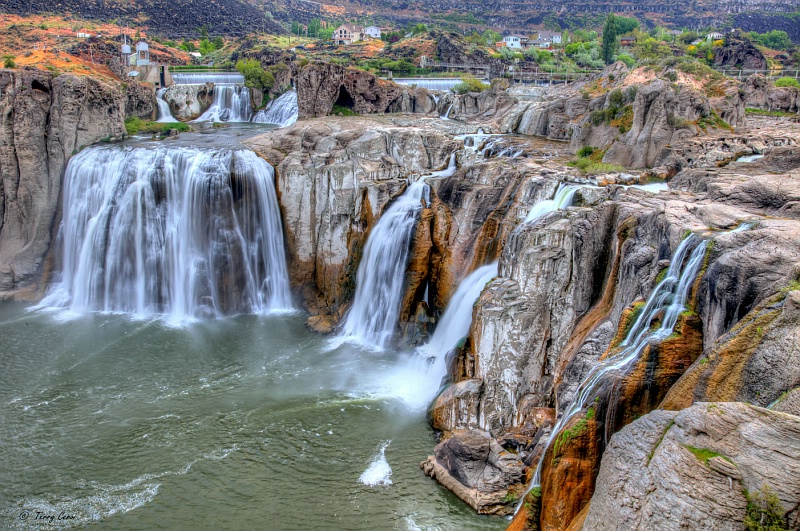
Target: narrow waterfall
x: 231, y: 104
x: 667, y: 300
x: 451, y: 168
x: 164, y: 112
x: 281, y: 111
x: 200, y: 78
x: 563, y: 199
x: 418, y: 377
x: 379, y: 281
x: 455, y: 322
x: 446, y: 115
x: 178, y: 231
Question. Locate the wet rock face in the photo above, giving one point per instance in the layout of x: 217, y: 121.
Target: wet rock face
x: 46, y: 120
x: 320, y: 86
x: 476, y: 469
x: 760, y: 94
x: 691, y: 469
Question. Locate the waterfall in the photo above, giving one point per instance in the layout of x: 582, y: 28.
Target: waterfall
x: 200, y: 78
x: 164, y: 112
x: 441, y: 83
x: 379, y: 281
x: 455, y: 322
x: 178, y: 231
x: 667, y: 300
x: 281, y: 111
x: 449, y: 170
x: 231, y: 104
x: 446, y: 115
x: 562, y: 199
x: 418, y: 376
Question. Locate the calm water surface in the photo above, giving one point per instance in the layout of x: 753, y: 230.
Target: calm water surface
x: 247, y: 422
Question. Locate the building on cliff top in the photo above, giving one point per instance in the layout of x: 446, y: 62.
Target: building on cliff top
x: 348, y: 34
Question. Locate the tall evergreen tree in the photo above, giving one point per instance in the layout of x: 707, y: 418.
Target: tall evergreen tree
x: 609, y: 39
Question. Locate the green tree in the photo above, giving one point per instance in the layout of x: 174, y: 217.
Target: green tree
x: 188, y: 46
x: 8, y: 61
x: 625, y: 25
x: 609, y: 39
x: 218, y: 43
x: 314, y: 27
x: 775, y: 39
x: 295, y: 28
x: 255, y: 77
x: 490, y: 37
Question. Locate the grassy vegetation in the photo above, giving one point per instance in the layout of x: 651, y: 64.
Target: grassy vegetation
x: 576, y: 430
x: 704, y: 454
x: 470, y: 84
x: 777, y: 114
x: 136, y: 125
x: 589, y: 162
x: 343, y: 111
x: 714, y: 121
x: 787, y: 82
x: 764, y: 511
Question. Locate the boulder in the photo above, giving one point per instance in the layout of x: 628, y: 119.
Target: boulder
x: 188, y: 102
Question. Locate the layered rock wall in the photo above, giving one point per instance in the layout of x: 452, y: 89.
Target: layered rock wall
x: 45, y: 120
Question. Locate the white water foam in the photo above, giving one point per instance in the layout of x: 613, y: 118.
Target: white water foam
x: 378, y: 473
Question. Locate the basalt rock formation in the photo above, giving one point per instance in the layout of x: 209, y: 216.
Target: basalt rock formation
x: 739, y: 52
x: 320, y: 86
x: 761, y: 94
x: 141, y: 101
x: 46, y: 119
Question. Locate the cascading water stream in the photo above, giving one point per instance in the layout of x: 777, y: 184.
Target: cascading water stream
x: 446, y: 115
x: 164, y: 112
x: 200, y: 78
x: 281, y: 111
x: 231, y: 104
x: 451, y: 168
x: 563, y: 198
x: 379, y: 281
x: 669, y: 297
x: 178, y: 231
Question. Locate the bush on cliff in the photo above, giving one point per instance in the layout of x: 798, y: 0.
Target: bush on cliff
x: 135, y: 125
x: 8, y: 61
x: 470, y: 84
x: 787, y: 82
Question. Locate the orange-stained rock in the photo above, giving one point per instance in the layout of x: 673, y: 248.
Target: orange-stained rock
x: 322, y: 324
x: 569, y: 471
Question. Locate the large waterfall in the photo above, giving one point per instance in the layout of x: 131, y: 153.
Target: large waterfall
x: 379, y: 281
x: 442, y: 83
x: 281, y: 111
x: 666, y: 303
x: 164, y: 112
x: 178, y: 231
x: 231, y: 104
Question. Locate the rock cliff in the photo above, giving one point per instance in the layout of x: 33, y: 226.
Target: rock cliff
x: 46, y: 119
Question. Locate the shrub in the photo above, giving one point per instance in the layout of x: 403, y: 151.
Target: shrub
x: 344, y: 111
x: 8, y: 61
x: 627, y: 59
x: 585, y: 151
x: 134, y: 125
x: 764, y: 511
x: 615, y: 98
x: 782, y: 82
x: 470, y: 84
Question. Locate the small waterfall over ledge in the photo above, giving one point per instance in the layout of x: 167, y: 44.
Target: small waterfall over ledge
x: 668, y: 298
x: 179, y: 231
x: 164, y: 112
x: 231, y: 104
x: 281, y: 111
x: 563, y: 198
x: 379, y: 282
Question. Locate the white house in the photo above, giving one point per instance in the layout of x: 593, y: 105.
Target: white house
x: 540, y: 43
x: 514, y: 41
x: 348, y: 34
x: 82, y: 35
x: 373, y: 31
x: 552, y: 36
x: 714, y: 36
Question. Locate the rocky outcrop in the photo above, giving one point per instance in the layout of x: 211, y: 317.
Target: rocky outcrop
x: 141, y: 101
x: 320, y: 86
x: 46, y: 119
x: 487, y: 105
x: 761, y: 94
x: 334, y: 178
x: 710, y: 466
x: 188, y: 102
x: 478, y: 470
x: 739, y: 52
x: 633, y: 117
